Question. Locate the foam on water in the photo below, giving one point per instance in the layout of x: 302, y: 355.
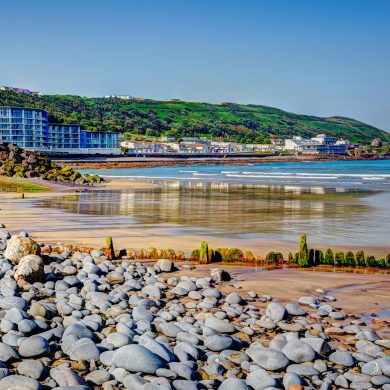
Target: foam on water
x: 366, y: 174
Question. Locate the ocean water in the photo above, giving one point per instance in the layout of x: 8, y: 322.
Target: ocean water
x: 333, y: 174
x: 258, y: 207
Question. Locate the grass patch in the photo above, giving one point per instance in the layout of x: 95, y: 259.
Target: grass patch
x: 10, y: 186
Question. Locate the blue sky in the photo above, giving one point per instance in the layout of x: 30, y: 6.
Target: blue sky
x: 320, y: 57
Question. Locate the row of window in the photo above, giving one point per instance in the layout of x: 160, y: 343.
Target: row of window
x: 22, y: 113
x: 30, y: 128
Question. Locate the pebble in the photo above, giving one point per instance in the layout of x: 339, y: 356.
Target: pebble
x: 268, y: 358
x: 342, y: 358
x: 33, y: 346
x: 298, y: 351
x: 275, y: 312
x: 109, y: 325
x: 19, y: 382
x: 137, y: 358
x: 32, y: 368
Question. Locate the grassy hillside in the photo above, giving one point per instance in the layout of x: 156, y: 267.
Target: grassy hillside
x: 244, y: 123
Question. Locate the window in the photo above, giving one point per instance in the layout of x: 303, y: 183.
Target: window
x: 16, y: 113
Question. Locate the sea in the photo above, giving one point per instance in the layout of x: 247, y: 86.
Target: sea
x: 331, y: 174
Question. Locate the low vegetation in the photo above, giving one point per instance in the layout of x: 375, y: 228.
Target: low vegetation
x: 305, y: 257
x: 137, y: 118
x: 12, y: 186
x: 339, y: 258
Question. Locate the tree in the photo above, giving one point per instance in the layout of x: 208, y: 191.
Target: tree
x: 329, y: 258
x: 349, y: 259
x: 360, y: 259
x: 303, y: 256
x: 339, y: 258
x: 204, y: 253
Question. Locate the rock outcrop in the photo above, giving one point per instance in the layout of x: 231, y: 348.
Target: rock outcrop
x: 17, y: 162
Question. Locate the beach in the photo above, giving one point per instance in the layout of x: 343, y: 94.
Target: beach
x: 255, y: 208
x: 84, y: 217
x: 107, y: 312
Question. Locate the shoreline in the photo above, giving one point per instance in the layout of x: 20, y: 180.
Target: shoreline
x: 172, y: 161
x: 47, y: 222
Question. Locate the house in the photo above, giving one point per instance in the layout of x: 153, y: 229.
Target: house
x: 142, y: 147
x: 320, y: 144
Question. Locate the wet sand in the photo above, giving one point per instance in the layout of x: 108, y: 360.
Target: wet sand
x: 53, y: 225
x: 167, y: 220
x: 356, y: 293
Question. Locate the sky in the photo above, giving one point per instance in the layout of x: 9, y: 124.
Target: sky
x: 323, y: 57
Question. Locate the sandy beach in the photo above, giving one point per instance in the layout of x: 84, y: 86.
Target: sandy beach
x: 358, y: 292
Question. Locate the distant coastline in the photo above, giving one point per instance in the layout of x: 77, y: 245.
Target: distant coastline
x: 177, y: 160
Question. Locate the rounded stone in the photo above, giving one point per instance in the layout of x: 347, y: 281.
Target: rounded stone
x: 302, y: 370
x: 295, y: 309
x: 9, y: 303
x: 342, y: 358
x: 299, y: 352
x: 30, y: 269
x: 291, y: 379
x: 18, y: 247
x: 260, y: 380
x: 19, y: 382
x: 268, y: 358
x: 98, y: 377
x: 34, y: 346
x: 233, y: 299
x: 218, y: 343
x: 83, y: 349
x: 165, y: 265
x: 7, y: 353
x: 233, y: 384
x: 219, y: 326
x: 275, y: 311
x: 31, y: 368
x: 137, y: 358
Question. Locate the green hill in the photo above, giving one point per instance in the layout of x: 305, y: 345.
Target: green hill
x: 243, y: 123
